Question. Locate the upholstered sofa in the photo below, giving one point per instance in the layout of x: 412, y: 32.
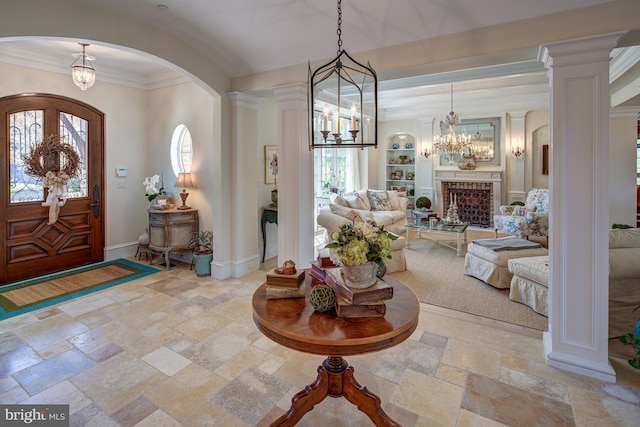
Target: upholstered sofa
x: 530, y: 281
x: 385, y: 208
x: 532, y: 219
x: 624, y: 280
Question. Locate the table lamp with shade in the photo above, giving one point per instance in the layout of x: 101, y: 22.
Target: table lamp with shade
x: 184, y: 181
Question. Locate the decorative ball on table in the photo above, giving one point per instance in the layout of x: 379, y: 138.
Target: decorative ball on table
x: 322, y: 297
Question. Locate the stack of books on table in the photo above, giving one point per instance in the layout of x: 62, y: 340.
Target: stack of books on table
x: 318, y: 269
x: 350, y: 302
x: 285, y: 285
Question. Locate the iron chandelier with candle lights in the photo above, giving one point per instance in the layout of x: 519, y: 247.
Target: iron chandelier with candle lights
x: 351, y: 89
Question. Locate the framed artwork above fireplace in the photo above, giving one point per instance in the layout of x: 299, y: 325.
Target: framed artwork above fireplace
x: 486, y: 135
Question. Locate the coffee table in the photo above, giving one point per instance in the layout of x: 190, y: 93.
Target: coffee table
x: 294, y: 323
x: 459, y: 231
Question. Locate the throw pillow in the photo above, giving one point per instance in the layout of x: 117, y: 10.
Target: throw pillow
x: 393, y: 199
x: 506, y: 210
x: 364, y: 196
x: 338, y: 200
x: 354, y: 201
x: 379, y: 200
x: 523, y: 210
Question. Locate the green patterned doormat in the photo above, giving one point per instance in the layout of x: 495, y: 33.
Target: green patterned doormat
x: 39, y: 293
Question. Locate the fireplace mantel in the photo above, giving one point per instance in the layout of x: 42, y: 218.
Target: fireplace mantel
x: 492, y: 175
x: 480, y: 175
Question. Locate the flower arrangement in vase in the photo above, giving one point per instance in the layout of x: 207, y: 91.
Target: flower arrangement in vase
x: 358, y: 247
x: 151, y: 187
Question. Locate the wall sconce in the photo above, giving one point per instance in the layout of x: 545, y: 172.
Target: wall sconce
x: 426, y: 153
x: 517, y: 152
x: 184, y: 181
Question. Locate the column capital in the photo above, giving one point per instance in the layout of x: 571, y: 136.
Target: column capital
x: 579, y: 51
x: 241, y: 99
x: 292, y: 92
x: 518, y: 114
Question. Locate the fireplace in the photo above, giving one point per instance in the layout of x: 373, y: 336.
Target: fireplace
x: 473, y: 200
x: 477, y: 194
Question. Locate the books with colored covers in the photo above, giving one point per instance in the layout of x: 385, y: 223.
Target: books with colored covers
x: 317, y: 271
x: 380, y: 291
x: 285, y: 280
x: 277, y: 292
x: 325, y: 261
x: 367, y: 309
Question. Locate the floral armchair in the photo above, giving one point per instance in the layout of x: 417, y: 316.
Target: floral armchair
x: 532, y: 219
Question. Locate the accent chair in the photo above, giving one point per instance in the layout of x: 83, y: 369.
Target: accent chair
x: 532, y: 219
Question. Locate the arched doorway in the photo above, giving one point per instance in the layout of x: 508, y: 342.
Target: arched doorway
x: 34, y: 244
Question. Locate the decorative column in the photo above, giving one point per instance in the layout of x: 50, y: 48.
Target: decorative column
x: 577, y: 339
x: 295, y: 177
x: 244, y: 192
x: 517, y: 143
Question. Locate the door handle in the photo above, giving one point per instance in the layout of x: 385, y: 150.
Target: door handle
x: 96, y: 201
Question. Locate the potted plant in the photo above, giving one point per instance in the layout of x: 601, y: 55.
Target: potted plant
x: 423, y: 203
x: 202, y: 245
x: 633, y: 339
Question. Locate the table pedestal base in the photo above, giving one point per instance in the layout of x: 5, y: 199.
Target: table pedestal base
x: 335, y: 379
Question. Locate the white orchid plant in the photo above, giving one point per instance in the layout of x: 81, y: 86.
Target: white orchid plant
x: 153, y: 187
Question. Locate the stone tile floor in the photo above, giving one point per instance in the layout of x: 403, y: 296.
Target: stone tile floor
x: 172, y: 349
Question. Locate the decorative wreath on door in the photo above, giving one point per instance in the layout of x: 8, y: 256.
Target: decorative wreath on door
x: 55, y: 163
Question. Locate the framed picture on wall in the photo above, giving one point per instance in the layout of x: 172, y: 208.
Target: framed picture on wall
x: 270, y: 164
x: 545, y: 159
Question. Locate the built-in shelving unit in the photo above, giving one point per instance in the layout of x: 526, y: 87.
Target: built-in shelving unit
x: 400, y: 164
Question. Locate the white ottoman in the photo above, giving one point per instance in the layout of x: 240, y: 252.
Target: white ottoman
x: 492, y: 266
x: 530, y: 282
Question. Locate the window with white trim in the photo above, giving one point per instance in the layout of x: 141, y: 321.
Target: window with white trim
x: 181, y: 150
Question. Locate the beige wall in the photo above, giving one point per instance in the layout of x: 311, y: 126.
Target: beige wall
x: 191, y: 106
x: 125, y: 142
x: 138, y: 129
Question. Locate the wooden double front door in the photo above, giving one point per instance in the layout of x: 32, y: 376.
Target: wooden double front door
x: 29, y: 245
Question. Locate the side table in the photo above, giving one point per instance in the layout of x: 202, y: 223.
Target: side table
x: 269, y: 214
x: 170, y: 231
x: 294, y: 323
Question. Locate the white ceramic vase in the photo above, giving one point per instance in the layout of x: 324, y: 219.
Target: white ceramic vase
x: 360, y: 276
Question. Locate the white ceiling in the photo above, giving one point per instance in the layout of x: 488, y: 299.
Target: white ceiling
x: 250, y: 36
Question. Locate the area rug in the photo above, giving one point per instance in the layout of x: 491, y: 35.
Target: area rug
x: 42, y: 292
x: 436, y: 275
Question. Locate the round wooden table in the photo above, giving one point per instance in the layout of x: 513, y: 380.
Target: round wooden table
x: 295, y: 324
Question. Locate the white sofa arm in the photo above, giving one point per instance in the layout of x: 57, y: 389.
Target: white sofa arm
x: 330, y: 221
x: 404, y: 204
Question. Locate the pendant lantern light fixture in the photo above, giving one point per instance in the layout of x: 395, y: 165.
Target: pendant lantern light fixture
x: 343, y: 101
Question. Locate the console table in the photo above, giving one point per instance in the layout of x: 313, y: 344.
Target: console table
x: 269, y: 214
x: 293, y: 323
x: 170, y: 231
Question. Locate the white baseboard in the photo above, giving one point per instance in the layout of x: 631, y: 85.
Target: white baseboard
x: 120, y: 251
x: 568, y: 362
x: 246, y: 266
x: 220, y: 271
